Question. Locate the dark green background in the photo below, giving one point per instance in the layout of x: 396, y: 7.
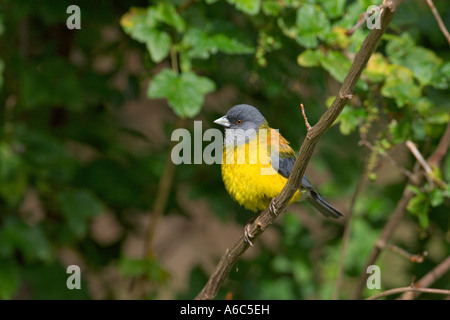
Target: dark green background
x: 83, y: 148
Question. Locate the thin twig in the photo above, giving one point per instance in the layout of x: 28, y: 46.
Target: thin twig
x: 346, y: 236
x: 306, y: 150
x: 408, y: 289
x: 428, y: 279
x: 174, y: 58
x: 387, y: 156
x: 308, y: 127
x: 439, y: 20
x: 166, y: 180
x: 159, y: 206
x: 428, y: 172
x: 411, y: 146
x: 417, y: 258
x: 396, y: 217
x: 362, y: 19
x: 442, y: 148
x: 388, y: 229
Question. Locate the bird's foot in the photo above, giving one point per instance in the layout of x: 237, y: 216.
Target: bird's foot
x: 247, y: 235
x: 273, y: 207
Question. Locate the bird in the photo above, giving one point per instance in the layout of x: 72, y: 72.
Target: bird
x: 255, y: 167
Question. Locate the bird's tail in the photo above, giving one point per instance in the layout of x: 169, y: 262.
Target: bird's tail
x: 322, y: 206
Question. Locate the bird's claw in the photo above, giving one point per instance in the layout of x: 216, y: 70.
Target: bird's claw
x: 247, y: 235
x: 273, y: 207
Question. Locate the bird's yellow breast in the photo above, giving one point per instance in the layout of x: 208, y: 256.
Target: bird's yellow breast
x: 249, y: 177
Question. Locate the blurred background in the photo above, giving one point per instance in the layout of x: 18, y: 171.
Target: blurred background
x: 86, y: 118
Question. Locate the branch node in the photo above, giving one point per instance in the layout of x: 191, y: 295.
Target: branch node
x: 380, y: 244
x: 308, y: 127
x: 348, y: 96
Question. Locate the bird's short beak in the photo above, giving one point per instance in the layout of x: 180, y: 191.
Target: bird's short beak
x: 223, y: 121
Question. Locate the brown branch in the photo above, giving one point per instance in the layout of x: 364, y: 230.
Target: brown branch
x: 306, y: 150
x: 441, y: 150
x: 389, y: 228
x: 159, y: 206
x: 346, y: 236
x: 439, y: 20
x: 428, y: 279
x: 409, y: 290
x: 417, y: 258
x: 308, y: 127
x: 412, y: 147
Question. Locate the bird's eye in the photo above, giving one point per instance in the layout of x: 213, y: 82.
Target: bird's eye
x: 239, y: 121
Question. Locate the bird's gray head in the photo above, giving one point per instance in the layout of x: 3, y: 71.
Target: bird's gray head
x: 241, y: 123
x: 242, y: 116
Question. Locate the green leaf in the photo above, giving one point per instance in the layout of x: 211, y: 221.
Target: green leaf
x: 440, y: 117
x: 166, y: 12
x: 400, y: 86
x: 350, y: 118
x: 336, y: 64
x: 250, y: 7
x: 141, y: 25
x: 334, y: 8
x: 426, y: 66
x: 445, y: 70
x: 41, y: 88
x: 158, y: 44
x: 419, y: 205
x: 310, y: 58
x: 377, y: 68
x: 35, y: 244
x: 271, y: 7
x: 423, y: 63
x: 9, y: 279
x: 148, y: 268
x: 30, y: 241
x: 201, y: 45
x: 78, y: 207
x: 312, y: 23
x: 13, y: 177
x: 436, y: 197
x: 2, y: 69
x: 362, y: 240
x: 446, y: 167
x: 185, y: 92
x: 137, y: 22
x: 337, y: 37
x: 400, y: 131
x: 398, y: 47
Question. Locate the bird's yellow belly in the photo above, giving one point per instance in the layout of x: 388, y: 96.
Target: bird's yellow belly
x: 252, y: 184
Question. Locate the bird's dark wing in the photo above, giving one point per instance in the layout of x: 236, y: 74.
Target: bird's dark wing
x: 285, y: 155
x: 285, y: 166
x: 286, y: 159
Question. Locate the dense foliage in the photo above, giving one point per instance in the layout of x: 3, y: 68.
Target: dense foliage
x: 86, y: 118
